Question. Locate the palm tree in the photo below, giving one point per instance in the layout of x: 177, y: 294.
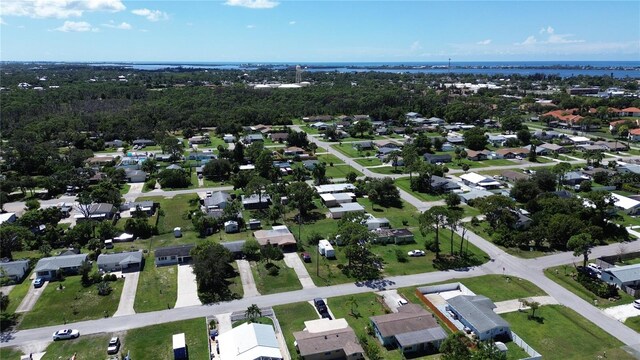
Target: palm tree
x: 353, y: 305
x: 253, y: 312
x: 598, y: 156
x: 434, y: 219
x: 453, y: 221
x: 393, y: 157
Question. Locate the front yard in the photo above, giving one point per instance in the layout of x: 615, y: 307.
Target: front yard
x: 405, y: 184
x: 157, y: 287
x: 291, y: 318
x: 156, y: 340
x: 286, y: 280
x: 84, y: 347
x: 71, y: 304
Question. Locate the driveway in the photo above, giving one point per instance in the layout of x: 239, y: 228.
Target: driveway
x: 294, y: 261
x: 128, y: 296
x: 33, y: 295
x: 6, y: 289
x: 622, y: 312
x: 136, y: 188
x: 248, y: 283
x: 391, y: 298
x: 187, y: 287
x: 515, y: 304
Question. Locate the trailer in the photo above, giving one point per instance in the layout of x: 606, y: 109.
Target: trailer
x: 179, y: 347
x: 326, y: 249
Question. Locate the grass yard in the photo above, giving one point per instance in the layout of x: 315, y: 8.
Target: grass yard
x: 85, y: 347
x: 406, y: 216
x: 10, y: 353
x: 286, y: 280
x: 341, y: 171
x: 124, y: 189
x: 18, y: 293
x: 348, y: 150
x: 371, y: 161
x: 387, y: 170
x: 563, y: 334
x: 329, y: 158
x: 235, y: 283
x: 405, y: 184
x: 501, y: 288
x: 157, y: 287
x: 174, y: 208
x: 562, y: 275
x: 156, y: 340
x: 291, y: 318
x: 71, y: 304
x: 154, y: 242
x: 634, y: 323
x: 627, y: 220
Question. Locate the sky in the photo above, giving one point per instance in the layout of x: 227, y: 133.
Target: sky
x: 318, y: 31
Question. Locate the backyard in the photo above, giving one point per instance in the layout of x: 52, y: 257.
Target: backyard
x: 174, y: 210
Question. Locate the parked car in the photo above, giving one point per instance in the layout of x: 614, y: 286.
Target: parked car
x: 38, y: 282
x: 114, y: 345
x: 65, y: 334
x: 402, y: 302
x: 416, y: 253
x: 636, y: 304
x: 319, y: 302
x: 306, y: 257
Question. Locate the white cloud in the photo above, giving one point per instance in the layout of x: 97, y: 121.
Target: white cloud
x: 76, y: 26
x: 547, y: 30
x: 151, y: 15
x: 415, y: 46
x: 2, y: 22
x: 562, y: 39
x: 292, y: 22
x: 121, y: 26
x: 60, y: 9
x: 528, y: 41
x: 251, y: 26
x: 253, y: 4
x: 484, y: 42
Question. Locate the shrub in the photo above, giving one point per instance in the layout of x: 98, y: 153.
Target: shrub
x: 104, y: 288
x: 274, y: 271
x: 96, y: 277
x: 430, y: 245
x: 596, y: 286
x: 314, y: 238
x: 401, y: 256
x: 150, y: 184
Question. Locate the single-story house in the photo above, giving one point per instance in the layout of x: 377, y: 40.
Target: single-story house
x: 412, y: 329
x: 628, y: 205
x: 147, y: 206
x: 628, y: 168
x: 574, y: 178
x: 626, y: 278
x: 373, y: 222
x: 497, y: 140
x: 579, y: 140
x: 249, y: 341
x: 335, y: 188
x: 455, y: 139
x: 114, y: 143
x: 388, y: 150
x: 634, y: 134
x: 135, y: 176
x: 254, y: 224
x: 387, y: 144
x: 513, y: 175
x: 216, y: 200
x: 229, y: 138
x: 310, y: 164
x: 437, y: 158
x: 100, y: 211
x: 171, y: 255
x: 333, y: 200
x: 199, y: 139
x: 47, y: 268
x: 325, y: 339
x: 539, y: 150
x: 474, y: 194
x: 8, y: 218
x: 553, y: 148
x: 512, y: 153
x: 99, y: 160
x: 364, y: 145
x: 143, y: 142
x: 255, y: 201
x: 476, y: 313
x: 125, y: 261
x: 393, y: 236
x: 473, y: 179
x: 612, y: 145
x: 278, y: 137
x: 442, y: 185
x: 293, y: 151
x: 14, y: 270
x: 235, y: 247
x: 278, y: 235
x: 477, y: 155
x: 629, y: 112
x: 251, y: 138
x: 339, y: 212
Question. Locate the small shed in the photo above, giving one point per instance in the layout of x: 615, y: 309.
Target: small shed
x: 254, y: 224
x: 231, y: 226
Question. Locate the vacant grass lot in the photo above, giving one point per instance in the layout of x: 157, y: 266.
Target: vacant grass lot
x: 157, y: 287
x: 286, y: 280
x: 174, y: 210
x: 405, y: 184
x: 156, y: 340
x: 10, y: 353
x: 372, y: 161
x: 329, y: 158
x: 562, y: 275
x: 388, y: 170
x: 399, y: 217
x: 71, y: 304
x: 634, y: 323
x: 291, y: 318
x: 340, y: 171
x: 85, y: 347
x: 563, y: 334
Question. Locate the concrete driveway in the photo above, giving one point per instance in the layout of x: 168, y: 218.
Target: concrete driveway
x: 136, y: 188
x: 33, y: 295
x: 294, y: 261
x: 622, y: 312
x: 128, y: 296
x: 248, y: 283
x: 391, y: 298
x: 6, y: 289
x: 187, y: 287
x: 515, y: 304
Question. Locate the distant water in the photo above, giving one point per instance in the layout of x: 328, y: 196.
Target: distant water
x: 618, y: 69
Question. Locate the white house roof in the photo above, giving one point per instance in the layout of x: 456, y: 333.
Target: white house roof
x: 577, y: 139
x: 624, y: 202
x: 334, y: 188
x: 6, y: 217
x: 346, y: 207
x: 249, y: 342
x: 473, y: 178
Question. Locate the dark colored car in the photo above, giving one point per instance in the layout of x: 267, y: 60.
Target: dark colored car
x: 306, y: 257
x: 38, y: 282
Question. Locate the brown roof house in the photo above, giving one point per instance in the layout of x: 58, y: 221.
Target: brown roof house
x: 512, y: 153
x: 278, y: 235
x: 412, y: 329
x: 328, y: 339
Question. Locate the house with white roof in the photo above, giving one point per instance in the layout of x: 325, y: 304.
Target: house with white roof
x: 7, y: 218
x: 345, y: 208
x: 249, y: 342
x: 335, y: 188
x: 477, y: 180
x: 628, y: 205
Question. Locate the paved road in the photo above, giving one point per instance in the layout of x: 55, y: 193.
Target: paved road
x: 187, y: 287
x: 246, y: 275
x: 128, y: 296
x: 294, y: 261
x: 32, y: 297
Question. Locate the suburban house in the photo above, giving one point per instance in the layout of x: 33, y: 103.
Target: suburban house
x: 497, y: 140
x: 114, y: 143
x: 373, y: 222
x: 14, y: 270
x: 124, y: 261
x: 345, y: 208
x: 8, y: 218
x: 579, y: 140
x: 634, y: 134
x: 612, y: 145
x: 477, y: 155
x: 630, y: 111
x: 412, y: 329
x: 628, y: 205
x: 393, y: 236
x: 235, y: 247
x: 476, y: 313
x: 173, y: 255
x: 249, y: 341
x: 255, y: 201
x: 198, y: 139
x: 477, y: 180
x: 364, y: 145
x: 553, y: 148
x: 135, y: 176
x: 293, y: 151
x: 513, y: 175
x: 148, y: 206
x: 335, y: 188
x: 566, y: 118
x: 328, y: 339
x: 47, y: 268
x: 626, y: 278
x: 512, y: 153
x: 437, y: 158
x: 278, y: 235
x: 333, y: 200
x: 251, y: 138
x: 384, y: 151
x: 628, y: 168
x: 442, y: 185
x: 143, y: 142
x: 473, y: 195
x: 574, y: 178
x: 100, y: 211
x: 229, y: 138
x: 278, y: 137
x: 216, y: 200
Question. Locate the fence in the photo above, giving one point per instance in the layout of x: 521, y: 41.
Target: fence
x: 533, y: 354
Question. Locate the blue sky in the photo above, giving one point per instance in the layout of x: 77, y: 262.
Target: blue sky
x: 323, y: 31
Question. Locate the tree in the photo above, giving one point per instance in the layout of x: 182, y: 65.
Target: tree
x: 533, y: 156
x: 352, y: 303
x: 32, y: 204
x: 560, y: 169
x: 251, y: 249
x: 433, y: 220
x: 4, y: 302
x: 393, y: 158
x: 361, y: 127
x: 452, y: 200
x: 511, y: 124
x: 524, y: 190
x: 545, y: 180
x: 204, y: 224
x: 454, y: 217
x: 298, y: 139
x: 174, y: 178
x: 85, y: 269
x: 500, y: 211
x: 300, y: 197
x: 475, y: 139
x: 211, y: 265
x: 300, y: 173
x: 217, y: 169
x: 524, y: 136
x: 361, y: 261
x: 264, y: 164
x: 253, y: 313
x: 581, y: 244
x: 140, y: 227
x: 383, y: 192
x: 487, y: 350
x: 271, y: 252
x: 12, y: 238
x: 410, y: 159
x: 455, y: 347
x: 106, y: 192
x: 150, y: 166
x: 238, y: 153
x: 319, y: 173
x: 585, y: 186
x: 172, y: 146
x: 351, y: 176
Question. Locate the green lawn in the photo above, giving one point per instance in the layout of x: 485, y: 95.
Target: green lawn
x: 350, y: 151
x: 85, y: 347
x: 329, y: 158
x: 405, y: 184
x: 156, y: 340
x: 124, y: 189
x: 373, y: 161
x: 388, y: 170
x: 341, y: 171
x: 154, y: 242
x: 10, y: 353
x: 563, y: 275
x: 634, y: 323
x: 174, y: 210
x: 406, y: 216
x: 501, y: 288
x: 235, y: 283
x: 157, y: 287
x: 286, y: 280
x: 18, y: 293
x: 563, y: 334
x: 291, y: 318
x: 627, y: 220
x: 71, y: 304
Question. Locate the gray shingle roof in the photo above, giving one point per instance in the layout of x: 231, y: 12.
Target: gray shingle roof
x: 180, y: 250
x: 629, y: 273
x: 217, y: 198
x: 60, y: 262
x: 421, y: 336
x: 409, y: 318
x: 234, y: 246
x: 478, y: 311
x: 15, y: 268
x: 123, y: 258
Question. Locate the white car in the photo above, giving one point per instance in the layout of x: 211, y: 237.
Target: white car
x: 65, y: 334
x: 416, y: 253
x: 402, y: 302
x: 114, y: 345
x: 636, y: 304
